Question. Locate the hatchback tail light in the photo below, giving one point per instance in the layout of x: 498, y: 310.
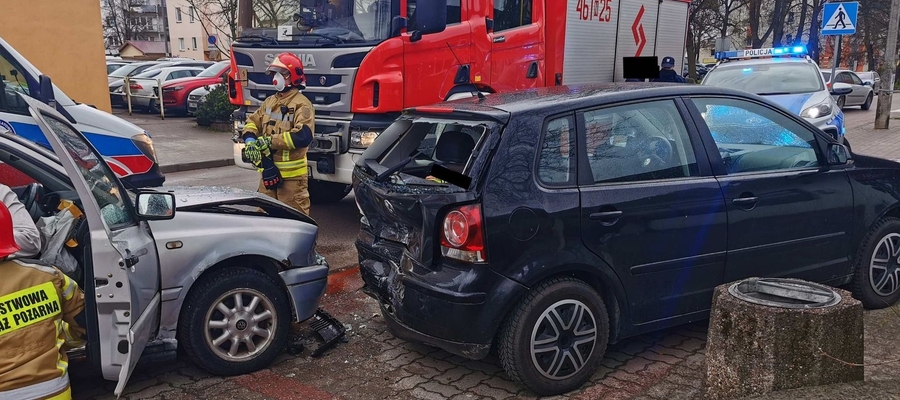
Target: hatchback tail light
x: 462, y: 234
x: 136, y: 86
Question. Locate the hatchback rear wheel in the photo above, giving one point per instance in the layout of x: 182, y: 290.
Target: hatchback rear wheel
x: 555, y: 339
x: 234, y: 322
x: 876, y: 280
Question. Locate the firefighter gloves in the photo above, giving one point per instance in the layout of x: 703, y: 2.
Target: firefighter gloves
x: 271, y: 177
x: 252, y: 153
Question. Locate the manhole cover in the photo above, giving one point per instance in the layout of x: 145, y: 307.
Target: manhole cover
x: 784, y: 293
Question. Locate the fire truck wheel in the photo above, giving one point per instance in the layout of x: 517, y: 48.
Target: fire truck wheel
x: 322, y: 192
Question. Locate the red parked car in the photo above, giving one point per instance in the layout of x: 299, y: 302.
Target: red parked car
x: 175, y: 93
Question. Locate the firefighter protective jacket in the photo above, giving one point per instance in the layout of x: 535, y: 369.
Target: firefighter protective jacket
x: 39, y: 306
x: 289, y: 119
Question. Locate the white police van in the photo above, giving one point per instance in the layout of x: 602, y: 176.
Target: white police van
x: 787, y: 76
x: 126, y: 147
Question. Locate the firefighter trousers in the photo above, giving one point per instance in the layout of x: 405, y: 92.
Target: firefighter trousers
x: 293, y: 192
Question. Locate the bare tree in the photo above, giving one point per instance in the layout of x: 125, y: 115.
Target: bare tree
x: 272, y: 13
x: 127, y: 20
x: 703, y: 23
x: 217, y: 17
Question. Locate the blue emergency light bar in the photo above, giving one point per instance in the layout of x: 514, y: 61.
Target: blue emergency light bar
x: 756, y: 53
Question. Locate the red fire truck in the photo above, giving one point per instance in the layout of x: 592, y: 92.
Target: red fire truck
x: 366, y: 60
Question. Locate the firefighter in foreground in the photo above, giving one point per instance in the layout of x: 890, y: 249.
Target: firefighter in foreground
x: 41, y: 316
x: 278, y: 134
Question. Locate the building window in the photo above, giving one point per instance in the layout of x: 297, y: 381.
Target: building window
x: 194, y: 43
x: 181, y: 43
x: 178, y: 14
x: 191, y: 11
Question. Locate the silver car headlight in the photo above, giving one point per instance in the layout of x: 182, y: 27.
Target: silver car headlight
x: 818, y: 110
x: 363, y: 139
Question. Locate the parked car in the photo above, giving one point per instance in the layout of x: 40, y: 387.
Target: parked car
x: 198, y: 96
x: 146, y: 84
x: 549, y: 223
x: 220, y: 272
x: 126, y: 147
x: 862, y: 94
x: 176, y: 92
x: 872, y: 79
x: 116, y: 79
x: 129, y: 70
x: 111, y: 66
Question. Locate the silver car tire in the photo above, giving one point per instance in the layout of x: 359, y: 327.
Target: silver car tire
x: 554, y: 340
x: 234, y: 322
x: 876, y: 274
x: 868, y: 104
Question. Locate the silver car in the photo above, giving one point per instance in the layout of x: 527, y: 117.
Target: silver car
x: 872, y: 79
x: 220, y: 272
x: 862, y: 94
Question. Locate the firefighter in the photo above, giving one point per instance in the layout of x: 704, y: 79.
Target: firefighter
x: 41, y: 317
x: 278, y: 134
x: 667, y: 72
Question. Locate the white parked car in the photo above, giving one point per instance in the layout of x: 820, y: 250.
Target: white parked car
x: 146, y: 85
x: 219, y: 272
x: 198, y: 96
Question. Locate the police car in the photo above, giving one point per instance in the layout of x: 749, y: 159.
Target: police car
x: 127, y: 148
x: 787, y: 76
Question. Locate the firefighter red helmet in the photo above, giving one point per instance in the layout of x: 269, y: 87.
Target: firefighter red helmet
x: 289, y: 65
x: 8, y: 244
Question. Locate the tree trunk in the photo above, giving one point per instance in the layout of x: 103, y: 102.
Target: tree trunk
x: 777, y: 23
x: 802, y: 25
x: 813, y: 45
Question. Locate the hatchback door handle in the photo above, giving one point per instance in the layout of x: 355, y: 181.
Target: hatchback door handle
x: 606, y: 215
x: 745, y: 201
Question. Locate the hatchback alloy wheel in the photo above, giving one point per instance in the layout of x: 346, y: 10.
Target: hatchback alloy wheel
x: 563, y: 339
x: 884, y: 269
x: 240, y: 325
x: 554, y: 340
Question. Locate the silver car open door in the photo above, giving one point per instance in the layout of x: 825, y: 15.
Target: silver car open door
x: 123, y: 255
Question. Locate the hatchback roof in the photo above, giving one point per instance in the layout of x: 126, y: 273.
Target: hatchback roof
x: 574, y: 97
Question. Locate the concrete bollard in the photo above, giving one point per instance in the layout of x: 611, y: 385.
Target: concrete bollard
x: 765, y: 335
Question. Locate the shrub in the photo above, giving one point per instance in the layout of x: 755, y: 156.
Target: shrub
x: 215, y: 107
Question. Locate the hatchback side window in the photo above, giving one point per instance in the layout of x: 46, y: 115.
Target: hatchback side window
x: 855, y: 79
x: 556, y: 166
x: 12, y: 82
x: 753, y: 138
x: 638, y: 142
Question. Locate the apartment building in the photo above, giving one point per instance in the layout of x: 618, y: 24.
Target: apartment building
x: 199, y: 33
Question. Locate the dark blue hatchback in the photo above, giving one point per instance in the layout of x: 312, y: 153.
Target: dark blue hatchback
x: 546, y: 224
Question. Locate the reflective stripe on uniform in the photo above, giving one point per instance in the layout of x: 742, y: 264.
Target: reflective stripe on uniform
x: 61, y: 365
x: 292, y: 169
x: 40, y: 390
x: 66, y: 395
x: 69, y: 290
x: 289, y: 140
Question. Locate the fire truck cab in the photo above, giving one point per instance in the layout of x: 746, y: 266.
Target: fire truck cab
x: 367, y: 60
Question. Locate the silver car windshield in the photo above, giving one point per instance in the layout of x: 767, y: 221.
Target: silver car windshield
x: 99, y: 177
x: 775, y: 78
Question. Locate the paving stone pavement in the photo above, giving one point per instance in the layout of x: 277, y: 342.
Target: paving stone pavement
x: 375, y: 365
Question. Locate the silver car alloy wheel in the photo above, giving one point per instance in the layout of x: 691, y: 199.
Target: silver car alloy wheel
x: 240, y: 325
x: 884, y: 270
x: 563, y: 339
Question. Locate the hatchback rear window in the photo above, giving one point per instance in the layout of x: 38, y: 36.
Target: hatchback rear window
x: 451, y: 144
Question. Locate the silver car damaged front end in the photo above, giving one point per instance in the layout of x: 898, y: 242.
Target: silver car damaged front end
x: 217, y: 228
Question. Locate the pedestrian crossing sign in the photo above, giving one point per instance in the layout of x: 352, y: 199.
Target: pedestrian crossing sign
x: 839, y: 18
